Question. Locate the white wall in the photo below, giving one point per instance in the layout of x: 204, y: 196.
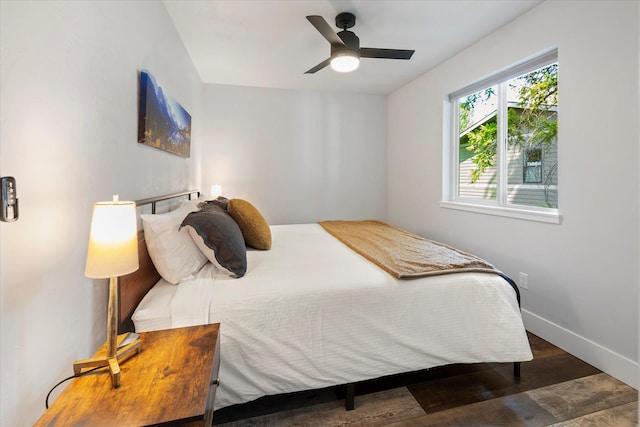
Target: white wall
x: 299, y: 156
x: 68, y: 132
x: 583, y: 275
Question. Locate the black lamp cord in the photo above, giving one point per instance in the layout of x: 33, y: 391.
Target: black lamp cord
x: 46, y: 400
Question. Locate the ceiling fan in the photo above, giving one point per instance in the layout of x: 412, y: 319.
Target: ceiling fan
x: 345, y: 45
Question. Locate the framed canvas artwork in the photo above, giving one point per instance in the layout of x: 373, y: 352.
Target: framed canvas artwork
x: 162, y: 122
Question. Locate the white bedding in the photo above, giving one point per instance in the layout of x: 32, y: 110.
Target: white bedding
x: 311, y: 313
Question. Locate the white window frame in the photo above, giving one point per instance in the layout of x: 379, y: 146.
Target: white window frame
x: 499, y: 206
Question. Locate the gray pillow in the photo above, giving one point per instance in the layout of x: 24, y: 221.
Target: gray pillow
x: 219, y: 238
x: 220, y: 201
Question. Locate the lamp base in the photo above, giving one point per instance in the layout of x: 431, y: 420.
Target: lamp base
x: 111, y: 362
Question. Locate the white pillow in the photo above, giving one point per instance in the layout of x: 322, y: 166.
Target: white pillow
x: 172, y: 251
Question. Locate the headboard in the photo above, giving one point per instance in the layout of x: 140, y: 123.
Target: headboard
x: 133, y: 287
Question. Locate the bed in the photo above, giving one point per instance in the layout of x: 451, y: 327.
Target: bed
x: 311, y: 313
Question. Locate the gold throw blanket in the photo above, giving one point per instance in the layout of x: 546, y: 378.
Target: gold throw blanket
x: 401, y: 253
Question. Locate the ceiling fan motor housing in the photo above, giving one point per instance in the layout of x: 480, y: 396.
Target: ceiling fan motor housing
x: 351, y: 41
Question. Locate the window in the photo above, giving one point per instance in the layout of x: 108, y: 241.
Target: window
x: 504, y: 146
x: 532, y: 167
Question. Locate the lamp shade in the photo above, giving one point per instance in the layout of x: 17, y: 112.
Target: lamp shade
x: 216, y: 190
x: 113, y: 241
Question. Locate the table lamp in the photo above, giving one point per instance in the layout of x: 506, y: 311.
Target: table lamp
x: 216, y: 191
x: 112, y: 252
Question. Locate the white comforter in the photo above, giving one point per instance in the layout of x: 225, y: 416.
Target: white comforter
x: 311, y: 313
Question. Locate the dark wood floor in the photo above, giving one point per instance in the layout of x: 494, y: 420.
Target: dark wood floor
x: 555, y: 388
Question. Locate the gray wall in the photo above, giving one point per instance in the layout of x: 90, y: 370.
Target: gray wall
x: 299, y: 156
x: 68, y: 134
x: 583, y: 275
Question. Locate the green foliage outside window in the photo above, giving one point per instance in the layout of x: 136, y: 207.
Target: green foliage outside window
x: 531, y: 125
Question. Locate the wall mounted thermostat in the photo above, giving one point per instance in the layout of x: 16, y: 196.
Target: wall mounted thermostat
x: 9, y: 199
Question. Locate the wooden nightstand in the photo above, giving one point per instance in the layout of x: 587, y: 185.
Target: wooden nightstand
x: 172, y: 381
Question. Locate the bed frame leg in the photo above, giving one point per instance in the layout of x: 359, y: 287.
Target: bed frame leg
x: 349, y: 401
x: 516, y: 369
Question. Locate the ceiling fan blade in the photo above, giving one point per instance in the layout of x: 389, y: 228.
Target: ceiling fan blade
x: 368, y: 52
x: 319, y: 67
x: 325, y: 29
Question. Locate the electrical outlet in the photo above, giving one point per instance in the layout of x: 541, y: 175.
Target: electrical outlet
x: 524, y: 281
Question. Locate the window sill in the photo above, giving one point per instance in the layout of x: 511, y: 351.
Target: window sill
x: 551, y: 216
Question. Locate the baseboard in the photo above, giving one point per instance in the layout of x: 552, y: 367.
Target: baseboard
x: 614, y: 364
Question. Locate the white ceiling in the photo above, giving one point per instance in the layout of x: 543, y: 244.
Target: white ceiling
x: 269, y: 43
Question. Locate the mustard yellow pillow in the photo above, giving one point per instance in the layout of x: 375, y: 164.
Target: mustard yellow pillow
x: 254, y: 227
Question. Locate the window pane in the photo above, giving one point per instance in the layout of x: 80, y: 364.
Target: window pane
x: 477, y: 144
x: 506, y: 144
x: 532, y: 143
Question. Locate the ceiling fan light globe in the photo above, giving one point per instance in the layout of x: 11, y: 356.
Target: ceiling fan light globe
x: 345, y: 63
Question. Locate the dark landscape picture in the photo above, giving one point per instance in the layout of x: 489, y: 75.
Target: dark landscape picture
x: 162, y: 122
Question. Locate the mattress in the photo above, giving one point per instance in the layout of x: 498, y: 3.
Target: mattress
x: 311, y: 313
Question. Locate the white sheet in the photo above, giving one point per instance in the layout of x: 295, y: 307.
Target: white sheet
x: 311, y: 313
x: 154, y: 311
